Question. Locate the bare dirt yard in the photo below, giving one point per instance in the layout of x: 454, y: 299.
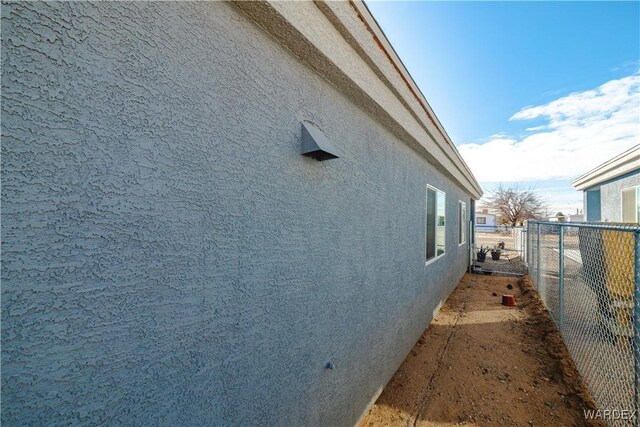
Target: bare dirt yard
x: 481, y: 363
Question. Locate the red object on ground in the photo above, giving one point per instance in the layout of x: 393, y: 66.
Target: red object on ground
x: 509, y: 300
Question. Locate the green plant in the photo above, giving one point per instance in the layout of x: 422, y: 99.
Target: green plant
x: 482, y: 254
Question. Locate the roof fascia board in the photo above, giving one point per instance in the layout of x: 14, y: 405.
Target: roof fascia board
x: 415, y: 94
x: 305, y: 30
x: 613, y: 168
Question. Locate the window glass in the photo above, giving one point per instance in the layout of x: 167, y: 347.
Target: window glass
x: 629, y: 205
x: 440, y: 227
x: 462, y: 226
x: 481, y: 220
x: 431, y: 223
x: 436, y: 204
x: 637, y: 204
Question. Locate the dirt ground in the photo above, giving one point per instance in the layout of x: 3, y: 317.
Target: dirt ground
x: 481, y: 363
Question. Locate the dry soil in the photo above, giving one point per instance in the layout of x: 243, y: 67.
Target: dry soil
x: 481, y: 363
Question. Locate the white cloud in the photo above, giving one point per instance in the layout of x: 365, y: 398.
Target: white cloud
x: 582, y: 130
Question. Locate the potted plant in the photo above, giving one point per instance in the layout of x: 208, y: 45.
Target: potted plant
x: 495, y: 254
x: 482, y: 254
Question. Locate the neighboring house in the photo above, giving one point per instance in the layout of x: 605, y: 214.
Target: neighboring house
x: 485, y: 219
x: 575, y: 217
x: 567, y: 218
x: 170, y: 257
x: 611, y: 190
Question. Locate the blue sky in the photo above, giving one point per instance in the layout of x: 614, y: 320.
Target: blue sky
x: 534, y: 93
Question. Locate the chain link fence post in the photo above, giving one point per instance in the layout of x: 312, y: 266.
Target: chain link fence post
x: 529, y: 247
x: 561, y: 277
x: 636, y: 317
x: 538, y: 263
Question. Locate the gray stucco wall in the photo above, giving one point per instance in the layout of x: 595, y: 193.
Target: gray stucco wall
x: 168, y: 256
x: 611, y: 195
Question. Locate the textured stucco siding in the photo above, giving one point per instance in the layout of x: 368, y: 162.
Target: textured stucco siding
x: 611, y: 195
x: 168, y: 256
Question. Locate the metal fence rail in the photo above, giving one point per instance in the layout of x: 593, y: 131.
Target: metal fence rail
x: 588, y: 277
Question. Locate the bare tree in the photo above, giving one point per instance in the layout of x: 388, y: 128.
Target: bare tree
x: 514, y: 205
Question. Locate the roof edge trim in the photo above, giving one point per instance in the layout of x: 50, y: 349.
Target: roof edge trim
x: 307, y: 31
x: 619, y: 165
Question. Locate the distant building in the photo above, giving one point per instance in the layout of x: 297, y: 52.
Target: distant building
x: 611, y: 189
x: 575, y: 217
x: 484, y: 218
x: 560, y: 217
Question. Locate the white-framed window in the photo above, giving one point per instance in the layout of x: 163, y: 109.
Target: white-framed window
x: 481, y: 220
x: 462, y: 223
x: 631, y: 204
x: 436, y: 208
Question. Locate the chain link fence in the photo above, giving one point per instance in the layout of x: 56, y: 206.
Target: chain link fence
x: 499, y: 249
x: 588, y: 277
